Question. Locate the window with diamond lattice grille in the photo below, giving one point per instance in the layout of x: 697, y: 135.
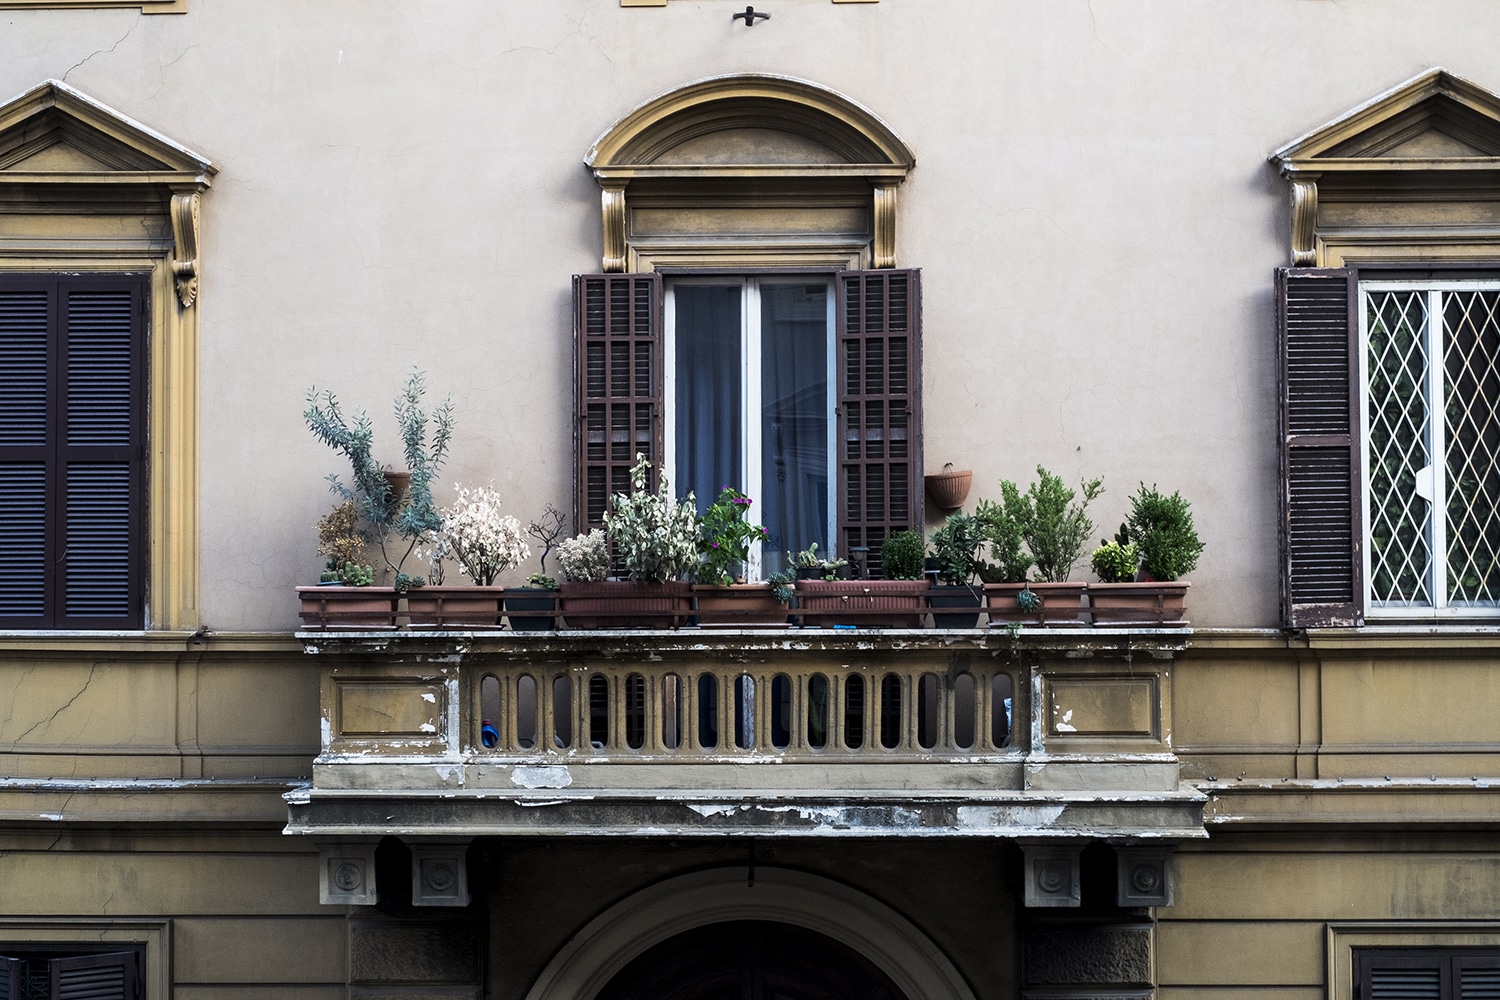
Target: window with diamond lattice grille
x: 1430, y: 422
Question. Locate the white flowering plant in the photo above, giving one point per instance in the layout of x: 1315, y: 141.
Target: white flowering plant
x: 483, y: 541
x: 655, y: 535
x: 585, y: 559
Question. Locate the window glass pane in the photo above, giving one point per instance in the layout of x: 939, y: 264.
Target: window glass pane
x: 794, y: 418
x: 1472, y: 432
x: 708, y: 400
x: 1400, y: 477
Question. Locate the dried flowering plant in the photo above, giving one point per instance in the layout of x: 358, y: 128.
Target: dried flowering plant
x: 725, y: 535
x: 483, y: 541
x: 655, y: 536
x: 585, y: 559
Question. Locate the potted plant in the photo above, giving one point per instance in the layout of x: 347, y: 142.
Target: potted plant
x: 899, y: 601
x: 1051, y: 520
x: 955, y: 551
x: 1161, y: 530
x: 344, y: 597
x: 720, y: 594
x: 533, y: 608
x: 655, y: 540
x: 808, y: 565
x: 484, y: 543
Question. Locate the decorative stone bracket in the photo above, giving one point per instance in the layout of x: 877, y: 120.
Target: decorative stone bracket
x: 1304, y: 220
x: 346, y: 873
x: 1143, y: 875
x: 185, y: 246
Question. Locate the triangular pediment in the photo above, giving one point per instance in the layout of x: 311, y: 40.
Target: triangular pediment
x: 55, y: 129
x: 1435, y: 120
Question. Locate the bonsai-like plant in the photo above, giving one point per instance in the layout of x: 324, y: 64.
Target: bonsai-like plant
x: 484, y: 542
x: 1001, y: 526
x: 546, y: 529
x: 725, y: 536
x: 654, y: 535
x: 411, y: 516
x: 902, y: 555
x: 339, y: 539
x: 956, y: 547
x: 1053, y: 520
x: 585, y: 559
x: 1162, y: 527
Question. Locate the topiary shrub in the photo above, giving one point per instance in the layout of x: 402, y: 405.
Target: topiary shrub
x: 902, y: 555
x: 1162, y: 528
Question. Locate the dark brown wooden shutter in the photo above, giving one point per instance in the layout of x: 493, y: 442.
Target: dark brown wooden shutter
x: 617, y: 358
x: 72, y: 450
x: 879, y: 408
x: 1318, y: 333
x: 111, y: 976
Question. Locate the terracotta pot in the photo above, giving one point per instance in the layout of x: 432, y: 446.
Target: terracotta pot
x: 866, y: 603
x: 961, y: 596
x: 531, y: 609
x: 748, y: 604
x: 454, y: 607
x: 341, y: 607
x: 1139, y: 605
x: 1062, y: 604
x: 625, y: 604
x: 949, y: 490
x: 396, y: 480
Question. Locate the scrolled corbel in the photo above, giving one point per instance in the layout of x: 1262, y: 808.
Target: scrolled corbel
x: 185, y: 252
x: 884, y: 207
x: 1304, y: 222
x: 613, y: 204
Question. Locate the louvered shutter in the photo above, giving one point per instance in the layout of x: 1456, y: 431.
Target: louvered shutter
x: 617, y: 358
x: 11, y: 970
x: 72, y: 455
x: 1478, y: 977
x: 112, y: 976
x: 1385, y: 975
x: 879, y: 408
x: 1318, y: 333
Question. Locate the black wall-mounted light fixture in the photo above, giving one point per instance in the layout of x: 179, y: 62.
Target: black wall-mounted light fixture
x: 751, y: 15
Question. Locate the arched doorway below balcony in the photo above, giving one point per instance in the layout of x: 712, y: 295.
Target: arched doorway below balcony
x: 750, y: 960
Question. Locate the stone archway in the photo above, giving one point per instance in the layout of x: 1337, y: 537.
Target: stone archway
x: 867, y: 927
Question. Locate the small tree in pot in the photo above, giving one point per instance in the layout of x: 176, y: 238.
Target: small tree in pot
x: 955, y: 549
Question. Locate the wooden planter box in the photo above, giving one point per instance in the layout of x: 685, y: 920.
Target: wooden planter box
x: 1062, y: 604
x: 969, y: 598
x: 342, y: 607
x: 864, y: 603
x: 454, y: 607
x: 1139, y: 605
x: 624, y: 604
x: 747, y: 604
x: 531, y: 609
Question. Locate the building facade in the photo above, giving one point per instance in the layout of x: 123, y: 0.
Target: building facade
x: 1250, y: 253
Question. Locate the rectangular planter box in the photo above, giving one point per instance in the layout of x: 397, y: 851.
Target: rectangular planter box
x: 1062, y: 604
x: 531, y: 609
x: 623, y: 604
x: 748, y: 604
x: 355, y: 608
x: 864, y: 603
x: 1141, y: 605
x: 966, y: 602
x: 454, y: 607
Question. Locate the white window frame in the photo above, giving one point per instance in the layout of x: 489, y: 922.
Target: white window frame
x: 750, y: 396
x: 1436, y: 445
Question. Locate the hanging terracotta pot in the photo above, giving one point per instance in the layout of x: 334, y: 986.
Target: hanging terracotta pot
x: 949, y: 489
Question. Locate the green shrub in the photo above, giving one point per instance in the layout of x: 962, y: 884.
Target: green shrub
x: 1116, y: 563
x: 902, y: 555
x: 1162, y: 528
x: 956, y: 547
x: 1049, y: 518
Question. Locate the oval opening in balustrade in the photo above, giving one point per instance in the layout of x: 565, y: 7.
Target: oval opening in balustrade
x: 963, y: 711
x: 817, y: 711
x: 890, y: 711
x: 744, y: 711
x: 598, y: 711
x: 526, y: 712
x: 1000, y: 711
x: 708, y: 711
x: 489, y: 711
x: 927, y: 711
x: 562, y: 712
x: 671, y: 712
x: 781, y: 711
x: 635, y: 711
x: 854, y: 712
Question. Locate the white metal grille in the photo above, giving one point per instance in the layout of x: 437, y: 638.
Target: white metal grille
x: 1431, y: 388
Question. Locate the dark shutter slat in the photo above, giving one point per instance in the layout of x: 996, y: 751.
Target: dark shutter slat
x: 23, y: 367
x: 1317, y: 331
x: 879, y: 408
x: 111, y: 976
x: 100, y: 368
x: 1405, y: 984
x: 97, y: 563
x: 1478, y: 977
x: 617, y: 386
x: 23, y: 542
